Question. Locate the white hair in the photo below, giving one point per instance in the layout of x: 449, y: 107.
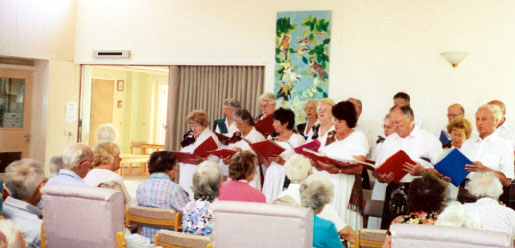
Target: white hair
x: 297, y: 168
x: 206, y: 181
x: 75, y: 154
x: 115, y: 185
x: 13, y: 236
x: 267, y: 96
x: 494, y: 109
x: 286, y: 200
x: 233, y: 103
x: 484, y: 185
x: 456, y: 215
x: 23, y: 178
x: 56, y: 163
x: 316, y: 191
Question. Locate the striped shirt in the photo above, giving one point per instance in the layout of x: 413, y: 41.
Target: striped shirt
x: 160, y: 192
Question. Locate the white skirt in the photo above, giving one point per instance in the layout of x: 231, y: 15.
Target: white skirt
x: 274, y: 181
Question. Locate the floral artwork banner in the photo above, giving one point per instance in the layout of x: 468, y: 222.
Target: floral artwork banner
x: 303, y: 40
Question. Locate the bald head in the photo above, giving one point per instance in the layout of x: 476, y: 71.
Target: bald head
x: 357, y: 105
x: 454, y: 111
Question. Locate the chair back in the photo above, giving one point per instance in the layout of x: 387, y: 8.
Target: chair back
x: 369, y: 238
x: 171, y: 239
x: 405, y: 235
x: 246, y: 224
x: 167, y: 218
x: 80, y: 216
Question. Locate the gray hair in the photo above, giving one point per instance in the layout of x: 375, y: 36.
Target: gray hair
x: 407, y: 111
x: 484, y: 185
x: 360, y: 104
x: 114, y: 185
x: 311, y: 101
x: 56, y: 163
x: 286, y: 201
x: 267, y: 96
x: 232, y: 102
x: 74, y: 154
x: 13, y: 236
x: 104, y: 153
x: 494, y: 109
x: 23, y: 178
x: 315, y: 192
x: 456, y: 215
x: 297, y: 168
x: 245, y: 116
x: 206, y: 181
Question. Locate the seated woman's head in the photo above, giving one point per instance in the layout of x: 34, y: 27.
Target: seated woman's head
x: 164, y: 162
x: 284, y: 119
x: 297, y: 168
x: 243, y: 166
x: 206, y: 181
x: 460, y: 130
x: 483, y: 185
x: 106, y: 153
x: 427, y: 194
x: 315, y: 192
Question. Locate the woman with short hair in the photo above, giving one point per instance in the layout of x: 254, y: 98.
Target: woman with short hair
x: 200, y: 132
x: 226, y: 126
x: 197, y: 216
x: 460, y: 130
x: 242, y: 170
x: 325, y: 119
x: 106, y: 161
x: 345, y: 143
x: 284, y: 122
x: 315, y: 192
x: 310, y: 110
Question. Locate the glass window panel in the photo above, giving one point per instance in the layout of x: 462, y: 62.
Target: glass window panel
x: 12, y: 92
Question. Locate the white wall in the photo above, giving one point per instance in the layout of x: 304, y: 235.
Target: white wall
x: 377, y: 48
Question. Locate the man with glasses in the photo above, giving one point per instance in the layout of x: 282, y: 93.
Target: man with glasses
x: 420, y: 145
x: 77, y: 159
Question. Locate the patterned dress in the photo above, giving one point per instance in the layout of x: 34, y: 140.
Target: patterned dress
x: 197, y: 218
x: 421, y: 217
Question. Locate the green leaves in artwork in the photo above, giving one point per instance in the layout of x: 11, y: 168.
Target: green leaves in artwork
x: 305, y: 60
x: 326, y: 41
x: 277, y: 60
x: 322, y: 25
x: 284, y: 26
x: 320, y: 89
x: 292, y: 50
x: 317, y: 25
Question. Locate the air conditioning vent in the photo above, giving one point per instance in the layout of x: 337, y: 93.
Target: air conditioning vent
x: 125, y: 54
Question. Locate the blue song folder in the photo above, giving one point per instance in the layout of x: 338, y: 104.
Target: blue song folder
x: 452, y: 164
x: 444, y: 138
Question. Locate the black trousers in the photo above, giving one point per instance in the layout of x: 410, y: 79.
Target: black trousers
x: 395, y: 203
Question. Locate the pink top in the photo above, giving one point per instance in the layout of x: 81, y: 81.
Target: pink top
x: 233, y: 190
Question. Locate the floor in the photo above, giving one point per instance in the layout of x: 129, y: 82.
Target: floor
x: 132, y: 181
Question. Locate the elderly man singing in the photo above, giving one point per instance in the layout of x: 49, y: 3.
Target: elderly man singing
x: 24, y: 179
x: 420, y: 145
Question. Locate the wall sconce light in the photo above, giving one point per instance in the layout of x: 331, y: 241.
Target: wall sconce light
x: 454, y: 58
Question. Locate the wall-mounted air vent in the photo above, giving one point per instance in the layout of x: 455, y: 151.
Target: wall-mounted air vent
x: 125, y: 54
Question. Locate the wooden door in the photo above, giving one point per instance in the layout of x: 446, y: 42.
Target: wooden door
x: 102, y: 97
x: 15, y: 113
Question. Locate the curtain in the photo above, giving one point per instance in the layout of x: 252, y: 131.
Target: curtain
x: 206, y: 87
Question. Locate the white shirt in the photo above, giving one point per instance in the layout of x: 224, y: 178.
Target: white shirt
x: 418, y: 144
x: 492, y: 151
x: 328, y: 212
x: 253, y: 136
x: 507, y: 131
x: 494, y: 217
x: 231, y: 129
x: 323, y: 138
x: 97, y: 176
x: 199, y: 140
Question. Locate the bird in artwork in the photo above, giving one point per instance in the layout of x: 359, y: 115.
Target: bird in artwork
x: 317, y: 68
x: 284, y: 91
x: 285, y: 45
x: 288, y: 74
x: 303, y: 42
x: 302, y: 50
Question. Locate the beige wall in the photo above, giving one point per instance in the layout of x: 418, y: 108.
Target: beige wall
x: 377, y: 47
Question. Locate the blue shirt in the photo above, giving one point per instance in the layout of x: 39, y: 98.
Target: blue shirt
x: 66, y: 177
x: 27, y: 219
x: 325, y: 234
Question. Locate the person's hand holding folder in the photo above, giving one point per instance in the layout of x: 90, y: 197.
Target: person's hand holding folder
x: 383, y: 178
x: 328, y: 167
x: 276, y: 159
x: 477, y: 167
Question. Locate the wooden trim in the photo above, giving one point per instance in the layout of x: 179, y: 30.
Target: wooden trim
x: 43, y: 242
x: 120, y: 240
x: 148, y: 221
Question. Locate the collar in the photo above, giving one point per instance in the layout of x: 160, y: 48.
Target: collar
x: 414, y: 133
x: 159, y: 175
x: 23, y: 206
x: 492, y: 137
x: 70, y: 173
x: 242, y: 181
x: 505, y: 125
x: 487, y: 200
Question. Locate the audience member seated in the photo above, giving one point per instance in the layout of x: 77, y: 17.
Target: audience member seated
x: 24, y: 179
x: 132, y: 240
x: 299, y: 168
x: 10, y: 236
x: 159, y: 191
x: 286, y: 200
x: 77, y: 159
x: 56, y: 164
x: 197, y: 216
x: 315, y: 192
x: 455, y: 215
x: 106, y: 162
x: 426, y: 197
x: 242, y: 169
x: 487, y: 188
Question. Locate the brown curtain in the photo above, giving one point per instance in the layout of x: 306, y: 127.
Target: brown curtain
x: 206, y: 87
